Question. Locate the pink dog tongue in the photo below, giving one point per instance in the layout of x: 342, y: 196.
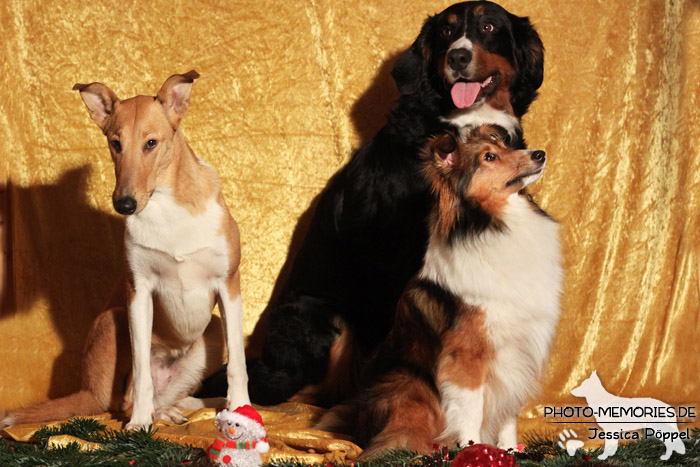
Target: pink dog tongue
x: 464, y: 94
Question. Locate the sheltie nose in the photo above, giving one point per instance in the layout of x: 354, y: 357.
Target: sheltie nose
x: 538, y: 156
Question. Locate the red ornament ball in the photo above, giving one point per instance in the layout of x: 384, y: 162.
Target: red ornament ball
x: 483, y: 455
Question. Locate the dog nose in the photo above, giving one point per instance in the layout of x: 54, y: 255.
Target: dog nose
x: 125, y: 205
x: 538, y: 156
x: 459, y: 59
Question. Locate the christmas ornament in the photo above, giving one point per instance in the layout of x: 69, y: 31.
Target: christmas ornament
x: 483, y: 455
x: 242, y: 439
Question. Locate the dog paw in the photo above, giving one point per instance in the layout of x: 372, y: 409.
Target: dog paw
x: 237, y: 398
x: 135, y: 426
x: 569, y: 441
x: 170, y: 415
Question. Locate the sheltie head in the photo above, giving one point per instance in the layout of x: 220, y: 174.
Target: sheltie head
x: 473, y: 179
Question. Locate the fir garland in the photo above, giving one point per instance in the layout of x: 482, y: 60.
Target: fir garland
x: 140, y: 448
x: 118, y: 448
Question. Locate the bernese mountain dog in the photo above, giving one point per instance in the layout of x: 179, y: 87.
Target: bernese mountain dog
x: 473, y: 329
x: 473, y: 63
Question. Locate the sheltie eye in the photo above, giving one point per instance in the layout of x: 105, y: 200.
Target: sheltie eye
x: 490, y: 157
x: 487, y: 27
x: 446, y: 31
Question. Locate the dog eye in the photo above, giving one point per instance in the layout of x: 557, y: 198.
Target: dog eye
x: 446, y: 31
x: 151, y: 143
x: 487, y: 27
x: 490, y: 157
x: 116, y: 145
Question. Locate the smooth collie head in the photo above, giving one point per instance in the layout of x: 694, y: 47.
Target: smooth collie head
x: 473, y: 179
x: 141, y: 133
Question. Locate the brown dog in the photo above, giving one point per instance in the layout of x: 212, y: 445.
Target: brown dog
x: 183, y: 252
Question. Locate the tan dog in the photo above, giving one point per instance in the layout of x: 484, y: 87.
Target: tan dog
x: 183, y: 252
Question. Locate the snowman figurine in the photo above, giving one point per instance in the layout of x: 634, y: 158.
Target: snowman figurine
x: 242, y: 439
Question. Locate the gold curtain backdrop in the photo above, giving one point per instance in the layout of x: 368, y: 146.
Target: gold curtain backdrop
x: 288, y: 90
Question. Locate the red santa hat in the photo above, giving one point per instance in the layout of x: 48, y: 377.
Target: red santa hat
x: 247, y: 411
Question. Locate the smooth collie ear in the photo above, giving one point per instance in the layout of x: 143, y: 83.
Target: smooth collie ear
x: 444, y: 150
x: 100, y: 101
x: 175, y: 96
x: 410, y: 69
x: 529, y: 58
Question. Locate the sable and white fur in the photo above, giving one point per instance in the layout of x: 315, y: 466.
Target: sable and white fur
x: 182, y: 251
x: 515, y: 276
x: 473, y: 329
x: 513, y: 273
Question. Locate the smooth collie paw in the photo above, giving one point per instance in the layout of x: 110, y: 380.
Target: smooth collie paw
x: 238, y: 400
x: 170, y: 415
x: 6, y: 420
x: 135, y: 426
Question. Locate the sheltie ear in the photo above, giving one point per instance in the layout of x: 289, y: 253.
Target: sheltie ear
x: 496, y: 134
x: 444, y: 149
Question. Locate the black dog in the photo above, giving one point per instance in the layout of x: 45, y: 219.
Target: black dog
x: 473, y: 63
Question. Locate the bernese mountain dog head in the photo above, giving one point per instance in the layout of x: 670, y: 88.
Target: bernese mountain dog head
x: 474, y: 56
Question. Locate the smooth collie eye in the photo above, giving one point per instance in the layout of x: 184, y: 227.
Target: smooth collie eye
x: 116, y: 145
x: 490, y: 157
x: 446, y: 31
x: 487, y: 27
x: 151, y: 143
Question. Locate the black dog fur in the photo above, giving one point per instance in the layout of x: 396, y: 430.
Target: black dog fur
x: 369, y: 232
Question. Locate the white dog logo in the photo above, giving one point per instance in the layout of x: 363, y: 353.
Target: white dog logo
x: 608, y: 407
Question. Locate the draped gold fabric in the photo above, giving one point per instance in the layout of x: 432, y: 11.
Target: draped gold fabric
x: 289, y: 432
x: 288, y: 89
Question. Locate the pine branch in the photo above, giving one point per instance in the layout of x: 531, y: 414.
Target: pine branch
x: 124, y: 448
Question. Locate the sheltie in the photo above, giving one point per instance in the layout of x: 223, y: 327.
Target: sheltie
x: 473, y: 328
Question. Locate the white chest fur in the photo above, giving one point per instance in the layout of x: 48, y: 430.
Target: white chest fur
x: 169, y: 227
x: 179, y: 257
x: 484, y: 115
x: 515, y: 277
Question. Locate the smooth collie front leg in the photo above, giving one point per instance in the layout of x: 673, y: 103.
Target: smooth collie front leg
x: 231, y: 308
x: 140, y: 328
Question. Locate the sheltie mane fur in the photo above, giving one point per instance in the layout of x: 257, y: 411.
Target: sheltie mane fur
x: 473, y: 329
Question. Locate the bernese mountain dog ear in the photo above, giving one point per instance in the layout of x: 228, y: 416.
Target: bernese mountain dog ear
x: 529, y: 58
x: 410, y: 69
